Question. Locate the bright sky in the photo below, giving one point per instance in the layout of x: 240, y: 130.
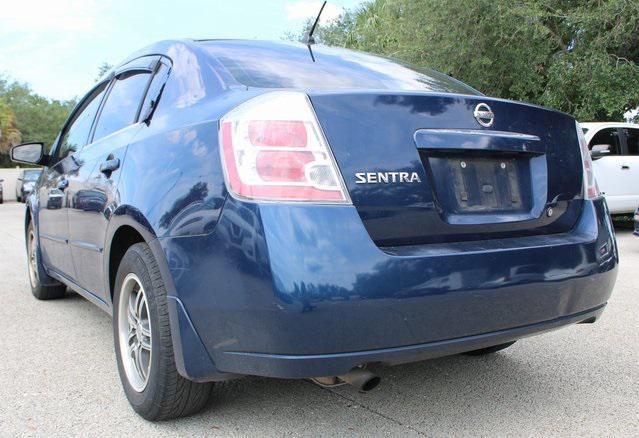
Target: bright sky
x: 57, y: 45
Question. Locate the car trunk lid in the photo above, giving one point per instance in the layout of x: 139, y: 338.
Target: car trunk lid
x: 422, y: 168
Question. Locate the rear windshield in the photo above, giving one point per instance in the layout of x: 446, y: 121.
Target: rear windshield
x: 286, y: 65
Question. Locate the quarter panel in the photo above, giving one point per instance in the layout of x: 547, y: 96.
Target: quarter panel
x: 174, y: 179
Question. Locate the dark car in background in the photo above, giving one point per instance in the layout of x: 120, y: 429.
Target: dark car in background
x: 26, y: 183
x: 637, y: 222
x: 1, y: 191
x: 281, y: 210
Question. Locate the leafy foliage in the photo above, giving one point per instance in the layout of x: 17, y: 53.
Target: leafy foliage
x: 32, y: 117
x: 9, y: 133
x: 579, y: 56
x: 102, y: 70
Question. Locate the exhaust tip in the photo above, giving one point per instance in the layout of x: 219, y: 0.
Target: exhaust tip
x: 361, y: 379
x: 371, y: 384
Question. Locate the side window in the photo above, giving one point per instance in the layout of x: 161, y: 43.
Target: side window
x: 77, y: 132
x: 122, y: 103
x: 606, y: 140
x: 155, y: 89
x: 632, y: 138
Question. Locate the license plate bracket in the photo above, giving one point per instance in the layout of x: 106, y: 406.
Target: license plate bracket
x: 479, y: 184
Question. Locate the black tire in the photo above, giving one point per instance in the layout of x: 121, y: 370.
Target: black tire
x: 18, y: 199
x: 43, y: 287
x: 166, y: 393
x: 489, y: 350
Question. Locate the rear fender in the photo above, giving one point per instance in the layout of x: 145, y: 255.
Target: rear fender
x: 186, y: 341
x: 129, y: 216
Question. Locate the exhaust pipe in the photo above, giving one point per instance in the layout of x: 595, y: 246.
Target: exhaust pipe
x: 358, y: 377
x: 361, y: 379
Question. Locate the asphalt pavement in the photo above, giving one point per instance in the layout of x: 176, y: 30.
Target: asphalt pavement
x: 58, y: 377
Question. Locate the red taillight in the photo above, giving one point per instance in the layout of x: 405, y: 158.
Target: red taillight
x: 283, y: 133
x: 591, y: 191
x: 272, y: 149
x: 283, y: 166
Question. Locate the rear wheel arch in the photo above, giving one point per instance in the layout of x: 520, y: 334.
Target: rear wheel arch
x: 123, y: 238
x: 154, y: 386
x: 127, y: 226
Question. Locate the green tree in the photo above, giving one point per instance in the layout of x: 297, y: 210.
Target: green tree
x: 102, y: 70
x: 579, y: 56
x: 35, y: 117
x: 27, y: 116
x: 9, y: 133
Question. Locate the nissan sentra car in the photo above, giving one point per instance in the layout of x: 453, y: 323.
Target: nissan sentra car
x: 282, y: 210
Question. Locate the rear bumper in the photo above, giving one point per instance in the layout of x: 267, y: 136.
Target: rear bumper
x: 300, y: 366
x: 301, y: 291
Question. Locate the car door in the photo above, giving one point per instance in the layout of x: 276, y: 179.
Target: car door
x: 629, y: 169
x: 607, y: 168
x: 93, y: 191
x: 53, y: 226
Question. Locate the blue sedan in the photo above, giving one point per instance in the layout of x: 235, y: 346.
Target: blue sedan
x: 282, y: 210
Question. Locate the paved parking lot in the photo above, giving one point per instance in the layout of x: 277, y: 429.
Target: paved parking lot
x: 58, y: 377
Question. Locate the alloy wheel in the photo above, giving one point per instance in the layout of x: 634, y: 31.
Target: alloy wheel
x: 134, y: 332
x: 33, y: 262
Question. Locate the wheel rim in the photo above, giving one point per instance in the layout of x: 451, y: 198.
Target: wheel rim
x: 33, y: 262
x: 135, y: 333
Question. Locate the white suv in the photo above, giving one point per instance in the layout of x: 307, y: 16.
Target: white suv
x: 615, y: 152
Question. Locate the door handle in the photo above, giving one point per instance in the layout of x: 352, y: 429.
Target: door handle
x: 108, y: 166
x: 625, y: 167
x: 62, y: 184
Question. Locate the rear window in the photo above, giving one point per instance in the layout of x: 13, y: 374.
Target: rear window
x: 286, y: 65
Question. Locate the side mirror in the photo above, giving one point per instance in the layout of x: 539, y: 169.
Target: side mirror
x: 599, y: 151
x: 29, y: 153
